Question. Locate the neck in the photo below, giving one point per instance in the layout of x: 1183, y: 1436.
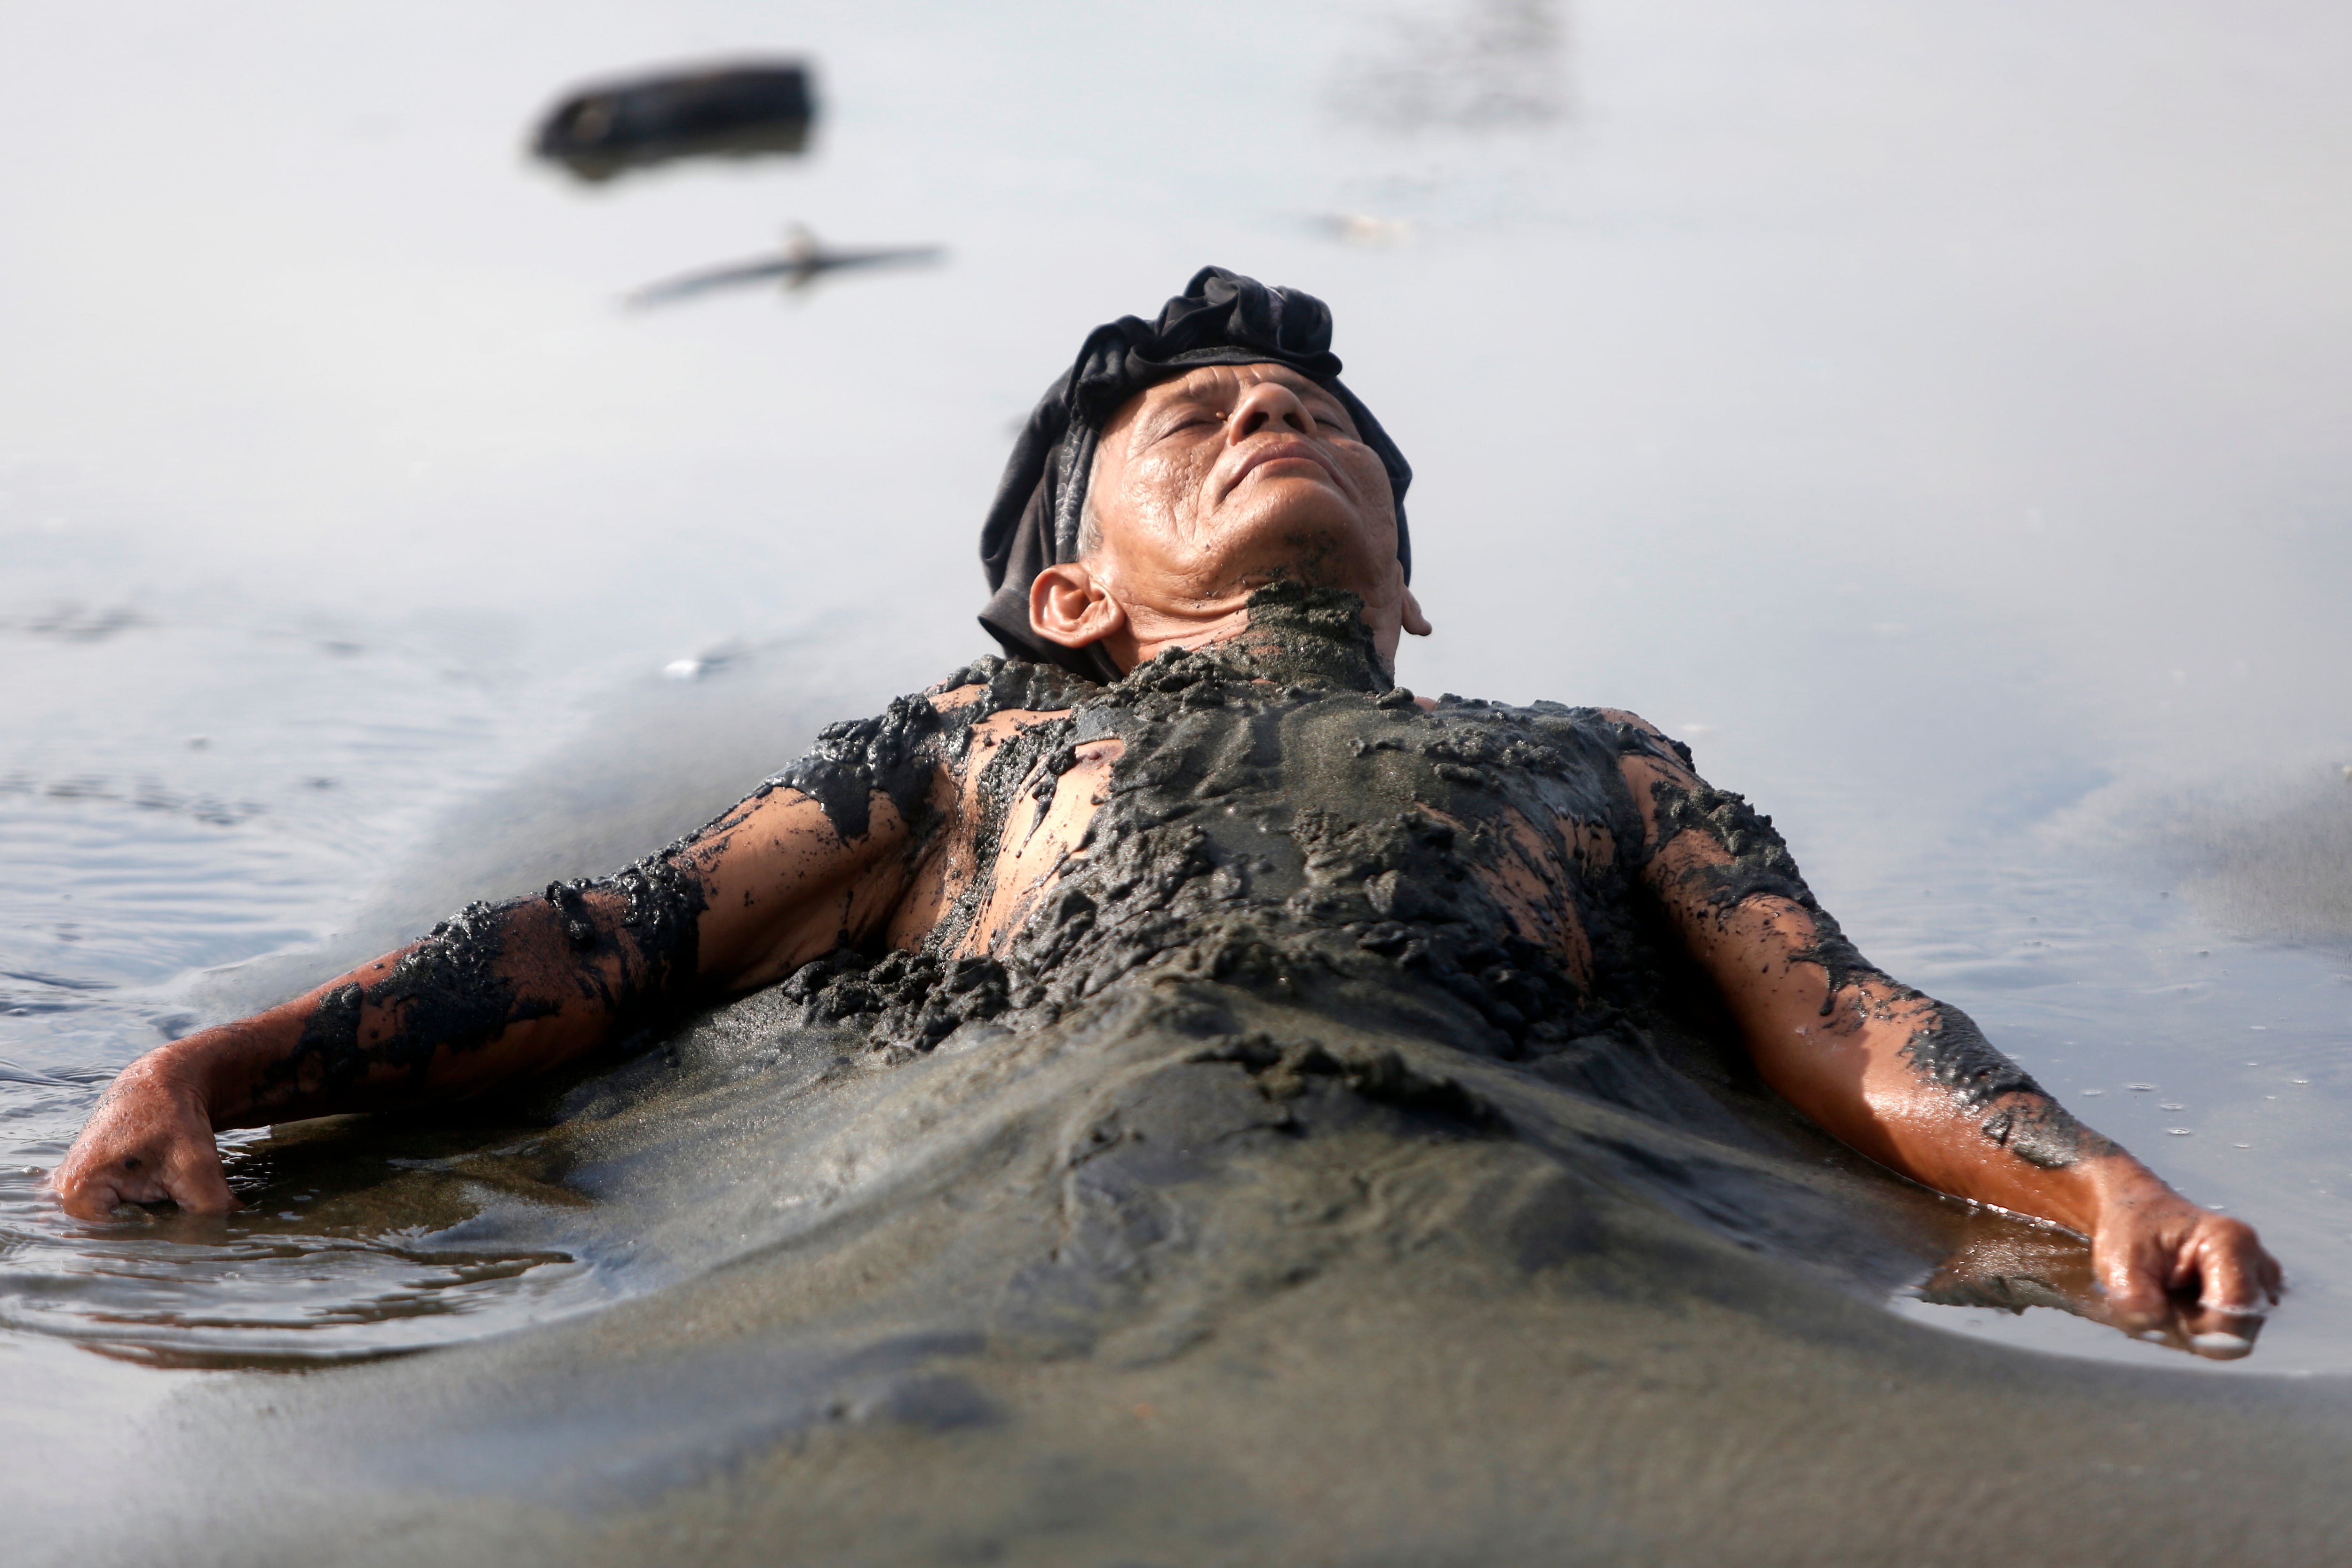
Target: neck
x: 1290, y: 635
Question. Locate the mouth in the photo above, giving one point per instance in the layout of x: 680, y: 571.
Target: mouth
x: 1286, y: 450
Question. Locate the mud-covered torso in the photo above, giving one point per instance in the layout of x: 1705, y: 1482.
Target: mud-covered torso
x: 1273, y: 814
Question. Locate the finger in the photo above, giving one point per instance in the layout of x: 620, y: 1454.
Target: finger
x: 2223, y: 1258
x: 2129, y: 1274
x: 83, y: 1199
x: 2267, y: 1276
x: 139, y: 1178
x: 196, y: 1183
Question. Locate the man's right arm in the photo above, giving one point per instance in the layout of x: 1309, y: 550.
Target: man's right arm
x: 497, y: 994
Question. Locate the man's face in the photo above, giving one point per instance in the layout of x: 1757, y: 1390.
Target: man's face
x: 1229, y: 476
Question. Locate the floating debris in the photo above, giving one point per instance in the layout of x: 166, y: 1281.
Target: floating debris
x: 711, y: 660
x: 1363, y: 229
x: 741, y: 110
x: 804, y: 261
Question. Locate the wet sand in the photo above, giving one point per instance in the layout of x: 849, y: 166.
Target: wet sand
x: 1091, y: 1299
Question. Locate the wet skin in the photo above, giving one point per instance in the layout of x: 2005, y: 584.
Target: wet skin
x: 1208, y: 487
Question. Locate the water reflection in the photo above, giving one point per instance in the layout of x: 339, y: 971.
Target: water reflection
x: 2011, y: 1267
x: 738, y: 111
x: 357, y: 1239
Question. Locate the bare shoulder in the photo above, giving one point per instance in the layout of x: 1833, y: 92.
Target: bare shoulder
x: 966, y: 708
x: 995, y: 701
x: 1645, y: 748
x: 1631, y: 719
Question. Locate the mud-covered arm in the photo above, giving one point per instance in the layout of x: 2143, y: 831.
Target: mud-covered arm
x: 501, y: 993
x: 1908, y: 1080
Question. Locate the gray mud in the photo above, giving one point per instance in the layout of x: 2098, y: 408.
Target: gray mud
x: 1277, y: 1194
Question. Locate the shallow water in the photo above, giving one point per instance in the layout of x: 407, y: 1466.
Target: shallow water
x: 1929, y: 416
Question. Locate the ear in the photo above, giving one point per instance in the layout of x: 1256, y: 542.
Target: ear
x: 1068, y: 605
x: 1414, y: 621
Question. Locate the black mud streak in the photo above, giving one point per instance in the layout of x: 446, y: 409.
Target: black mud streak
x: 1285, y: 1071
x: 448, y: 990
x: 1953, y: 1052
x: 631, y: 944
x: 897, y: 755
x: 854, y: 761
x: 662, y: 902
x: 635, y: 937
x: 330, y: 1039
x: 906, y: 1001
x: 1760, y: 866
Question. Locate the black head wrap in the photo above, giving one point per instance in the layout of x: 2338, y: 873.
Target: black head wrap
x: 1221, y: 317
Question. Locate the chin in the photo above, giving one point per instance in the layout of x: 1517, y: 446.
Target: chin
x: 1316, y: 540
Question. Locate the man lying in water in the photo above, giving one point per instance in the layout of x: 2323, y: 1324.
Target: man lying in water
x: 1196, y: 769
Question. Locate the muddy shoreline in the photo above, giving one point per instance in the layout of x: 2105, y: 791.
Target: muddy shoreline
x: 1270, y: 1197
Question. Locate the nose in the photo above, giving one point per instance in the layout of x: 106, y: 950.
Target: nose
x: 1267, y: 404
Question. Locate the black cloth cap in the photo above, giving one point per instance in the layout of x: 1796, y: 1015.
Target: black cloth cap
x: 1221, y: 317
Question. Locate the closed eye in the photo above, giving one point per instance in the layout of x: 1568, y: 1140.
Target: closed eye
x: 1189, y: 422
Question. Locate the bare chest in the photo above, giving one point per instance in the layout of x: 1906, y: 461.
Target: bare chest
x: 1019, y: 819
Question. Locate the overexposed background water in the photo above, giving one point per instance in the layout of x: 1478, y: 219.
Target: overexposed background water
x: 1934, y: 415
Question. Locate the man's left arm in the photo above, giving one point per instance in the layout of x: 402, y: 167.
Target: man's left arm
x: 1912, y: 1082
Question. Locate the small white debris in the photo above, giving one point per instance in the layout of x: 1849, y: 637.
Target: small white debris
x: 1364, y: 229
x: 682, y: 668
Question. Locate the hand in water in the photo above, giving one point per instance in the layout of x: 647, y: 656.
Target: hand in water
x: 2169, y: 1270
x: 151, y: 1138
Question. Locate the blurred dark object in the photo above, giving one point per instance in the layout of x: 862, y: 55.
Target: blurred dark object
x: 804, y: 261
x: 737, y: 111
